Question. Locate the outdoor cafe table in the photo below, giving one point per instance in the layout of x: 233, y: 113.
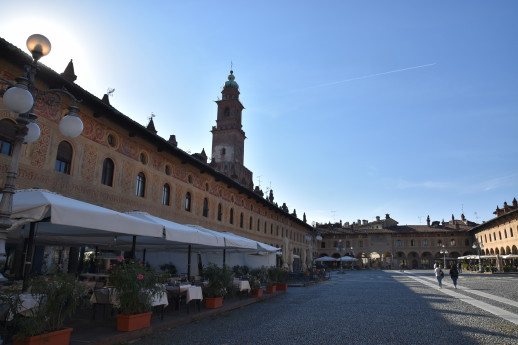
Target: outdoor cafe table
x: 26, y: 308
x: 94, y: 276
x: 191, y: 292
x: 158, y: 299
x: 242, y: 285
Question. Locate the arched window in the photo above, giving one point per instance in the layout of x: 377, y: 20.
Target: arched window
x: 452, y: 242
x: 425, y: 243
x: 412, y: 243
x: 399, y: 243
x: 505, y: 233
x: 188, y: 202
x: 241, y: 220
x: 107, y: 175
x: 141, y: 185
x: 511, y: 232
x: 205, y: 207
x: 500, y: 235
x: 231, y: 216
x: 64, y: 158
x: 265, y: 225
x: 439, y: 242
x: 219, y: 212
x: 7, y: 132
x: 258, y: 225
x: 166, y: 194
x: 250, y: 224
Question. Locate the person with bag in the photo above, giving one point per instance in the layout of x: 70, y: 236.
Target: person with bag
x: 439, y: 274
x: 454, y: 275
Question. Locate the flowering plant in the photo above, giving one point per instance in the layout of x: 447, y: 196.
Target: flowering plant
x: 135, y: 286
x: 56, y: 297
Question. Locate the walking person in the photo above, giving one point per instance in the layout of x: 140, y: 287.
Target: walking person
x: 454, y: 275
x: 439, y: 274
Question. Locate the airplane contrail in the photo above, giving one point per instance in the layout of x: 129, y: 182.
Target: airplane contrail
x: 374, y: 75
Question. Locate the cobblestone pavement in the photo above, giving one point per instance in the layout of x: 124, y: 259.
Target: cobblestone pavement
x: 367, y: 307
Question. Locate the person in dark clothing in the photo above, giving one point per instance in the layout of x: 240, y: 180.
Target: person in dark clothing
x: 454, y: 275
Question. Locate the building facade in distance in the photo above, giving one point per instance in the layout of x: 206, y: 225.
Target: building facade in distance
x: 384, y: 243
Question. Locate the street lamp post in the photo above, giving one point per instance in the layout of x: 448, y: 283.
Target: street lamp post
x: 20, y: 98
x: 444, y: 252
x: 478, y: 245
x: 341, y: 248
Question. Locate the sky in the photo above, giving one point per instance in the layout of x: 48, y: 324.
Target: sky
x: 353, y: 109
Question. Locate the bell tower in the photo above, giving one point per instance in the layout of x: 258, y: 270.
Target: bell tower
x: 228, y: 137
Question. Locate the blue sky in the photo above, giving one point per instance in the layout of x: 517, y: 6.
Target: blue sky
x: 353, y: 109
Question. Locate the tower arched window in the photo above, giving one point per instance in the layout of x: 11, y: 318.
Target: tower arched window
x: 141, y: 185
x: 226, y: 112
x: 7, y: 132
x: 231, y: 216
x: 64, y: 158
x: 107, y: 175
x: 166, y: 194
x: 219, y: 212
x: 205, y: 207
x: 188, y: 202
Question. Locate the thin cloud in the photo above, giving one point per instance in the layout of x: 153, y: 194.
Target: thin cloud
x: 372, y: 75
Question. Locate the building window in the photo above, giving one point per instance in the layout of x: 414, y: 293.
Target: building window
x: 258, y: 225
x: 188, y: 202
x: 250, y: 224
x: 141, y: 185
x: 322, y: 245
x: 143, y: 158
x: 64, y: 158
x: 361, y: 244
x: 399, y: 243
x: 505, y: 233
x: 112, y: 141
x: 107, y: 175
x: 412, y: 243
x: 241, y: 220
x: 231, y: 216
x: 168, y: 170
x: 7, y: 132
x: 466, y: 243
x: 166, y: 195
x: 219, y: 212
x: 511, y: 232
x: 500, y: 235
x: 452, y: 242
x: 205, y: 207
x: 425, y: 243
x: 265, y: 226
x: 439, y: 242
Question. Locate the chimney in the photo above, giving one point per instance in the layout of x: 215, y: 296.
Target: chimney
x: 364, y: 222
x: 428, y: 220
x: 377, y: 218
x: 359, y: 222
x: 387, y: 216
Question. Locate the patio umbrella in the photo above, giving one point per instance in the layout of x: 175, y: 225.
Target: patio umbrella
x: 347, y: 258
x: 326, y: 258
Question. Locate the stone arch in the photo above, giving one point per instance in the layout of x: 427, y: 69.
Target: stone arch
x: 413, y: 260
x: 514, y: 250
x: 426, y: 260
x: 508, y: 250
x: 502, y: 251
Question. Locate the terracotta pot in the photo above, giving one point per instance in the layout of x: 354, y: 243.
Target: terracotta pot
x: 61, y: 337
x: 270, y: 289
x: 257, y: 292
x: 281, y: 287
x: 213, y: 302
x: 128, y: 323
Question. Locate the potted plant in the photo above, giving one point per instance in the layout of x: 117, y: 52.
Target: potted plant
x: 56, y: 297
x: 257, y: 277
x: 272, y: 280
x: 282, y: 279
x: 219, y: 284
x: 134, y: 286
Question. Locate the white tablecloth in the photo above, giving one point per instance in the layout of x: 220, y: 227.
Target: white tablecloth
x: 242, y: 285
x: 191, y: 292
x: 159, y: 299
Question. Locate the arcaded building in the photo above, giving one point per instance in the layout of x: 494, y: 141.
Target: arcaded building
x: 122, y: 165
x: 384, y: 243
x: 500, y: 234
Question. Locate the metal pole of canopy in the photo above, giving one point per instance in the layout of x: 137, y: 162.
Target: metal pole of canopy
x: 133, y: 245
x: 189, y: 263
x: 28, y: 259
